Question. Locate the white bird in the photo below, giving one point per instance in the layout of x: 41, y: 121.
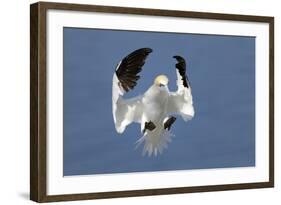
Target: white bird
x: 155, y: 109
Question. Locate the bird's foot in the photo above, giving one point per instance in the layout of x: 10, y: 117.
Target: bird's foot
x: 168, y: 123
x: 149, y: 126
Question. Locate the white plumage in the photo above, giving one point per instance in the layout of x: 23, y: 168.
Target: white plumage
x: 155, y: 109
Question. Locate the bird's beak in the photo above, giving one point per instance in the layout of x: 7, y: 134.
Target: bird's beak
x: 163, y: 87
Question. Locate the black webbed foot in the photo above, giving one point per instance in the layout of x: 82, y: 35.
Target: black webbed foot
x: 149, y: 126
x: 169, y: 122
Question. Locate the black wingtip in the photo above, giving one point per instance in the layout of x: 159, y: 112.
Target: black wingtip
x: 146, y: 50
x: 181, y: 67
x: 179, y: 58
x: 128, y: 69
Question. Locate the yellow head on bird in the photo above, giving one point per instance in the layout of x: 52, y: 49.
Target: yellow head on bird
x: 161, y: 80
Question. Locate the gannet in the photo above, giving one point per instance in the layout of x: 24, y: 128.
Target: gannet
x: 155, y: 109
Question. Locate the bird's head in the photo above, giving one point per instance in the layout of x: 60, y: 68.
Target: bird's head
x: 161, y: 81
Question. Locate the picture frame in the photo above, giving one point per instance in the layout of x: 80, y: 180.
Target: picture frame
x: 40, y: 37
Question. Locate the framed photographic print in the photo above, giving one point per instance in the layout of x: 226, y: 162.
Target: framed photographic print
x: 134, y: 102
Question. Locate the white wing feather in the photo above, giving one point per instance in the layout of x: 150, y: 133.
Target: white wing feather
x: 125, y: 111
x: 180, y: 102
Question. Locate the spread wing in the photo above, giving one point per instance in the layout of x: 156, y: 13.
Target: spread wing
x: 180, y: 102
x: 126, y: 111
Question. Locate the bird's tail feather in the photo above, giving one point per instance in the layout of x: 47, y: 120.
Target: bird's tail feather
x: 154, y: 145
